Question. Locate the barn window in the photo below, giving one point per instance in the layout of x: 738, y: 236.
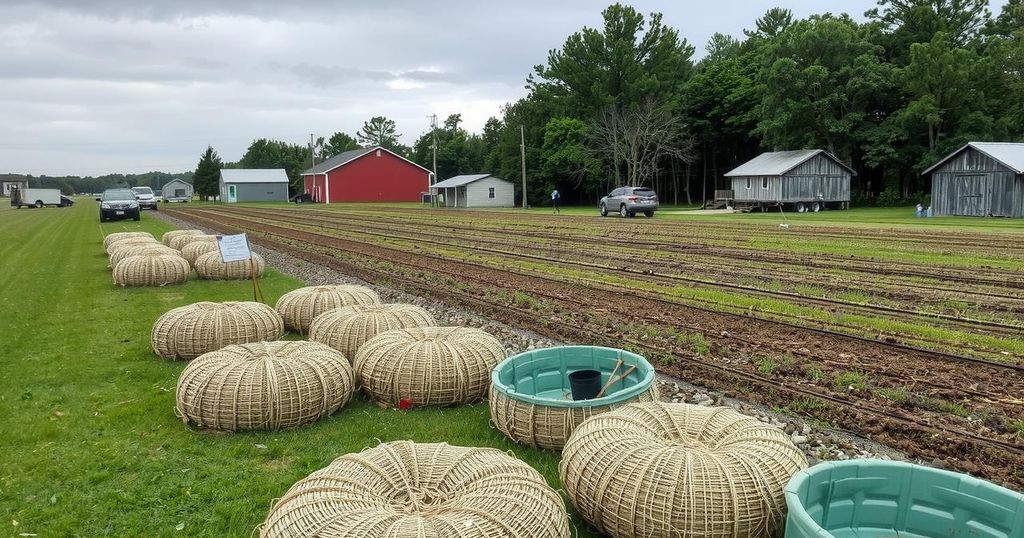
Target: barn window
x: 764, y: 182
x: 748, y: 183
x: 490, y: 192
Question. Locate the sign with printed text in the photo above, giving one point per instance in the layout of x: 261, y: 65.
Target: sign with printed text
x: 233, y: 248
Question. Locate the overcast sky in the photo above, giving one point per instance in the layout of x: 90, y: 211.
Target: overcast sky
x: 96, y: 86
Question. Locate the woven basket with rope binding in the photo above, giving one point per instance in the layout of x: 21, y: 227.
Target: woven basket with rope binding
x: 299, y: 307
x: 189, y: 331
x: 405, y: 489
x: 117, y: 255
x: 166, y: 238
x: 151, y: 270
x: 349, y: 327
x: 211, y: 267
x: 428, y: 366
x: 677, y: 470
x: 263, y: 386
x: 117, y: 236
x: 192, y: 251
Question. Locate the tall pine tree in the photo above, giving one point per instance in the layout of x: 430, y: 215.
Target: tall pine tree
x: 206, y: 179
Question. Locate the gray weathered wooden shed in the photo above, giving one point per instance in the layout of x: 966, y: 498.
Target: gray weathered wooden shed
x: 253, y: 185
x: 807, y: 179
x: 475, y: 190
x: 981, y: 179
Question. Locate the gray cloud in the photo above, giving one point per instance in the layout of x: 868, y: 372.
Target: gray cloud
x: 94, y: 86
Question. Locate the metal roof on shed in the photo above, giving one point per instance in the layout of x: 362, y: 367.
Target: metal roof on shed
x: 254, y: 175
x: 337, y: 160
x: 458, y: 181
x: 1010, y: 154
x: 777, y: 163
x: 346, y: 157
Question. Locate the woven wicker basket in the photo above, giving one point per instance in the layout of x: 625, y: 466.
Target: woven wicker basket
x: 676, y: 470
x: 263, y: 386
x: 130, y: 242
x: 428, y: 366
x: 195, y: 249
x: 531, y: 401
x: 166, y: 238
x: 151, y: 270
x: 349, y: 327
x: 189, y: 331
x: 117, y: 236
x: 299, y: 307
x: 405, y: 489
x: 210, y: 266
x: 155, y: 247
x: 180, y: 241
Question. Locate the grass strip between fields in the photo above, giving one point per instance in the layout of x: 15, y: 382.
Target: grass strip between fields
x: 91, y: 444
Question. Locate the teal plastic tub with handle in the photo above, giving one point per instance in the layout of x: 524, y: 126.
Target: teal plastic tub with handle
x: 887, y: 499
x: 531, y: 399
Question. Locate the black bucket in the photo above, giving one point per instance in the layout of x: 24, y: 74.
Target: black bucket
x: 585, y: 384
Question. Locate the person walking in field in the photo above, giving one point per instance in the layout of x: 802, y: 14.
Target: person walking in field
x: 555, y: 199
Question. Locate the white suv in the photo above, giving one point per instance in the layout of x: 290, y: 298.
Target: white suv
x: 145, y: 197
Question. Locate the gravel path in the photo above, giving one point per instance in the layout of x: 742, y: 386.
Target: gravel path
x: 818, y: 442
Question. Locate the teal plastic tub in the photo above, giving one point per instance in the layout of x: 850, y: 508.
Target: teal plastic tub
x: 530, y: 397
x: 887, y: 499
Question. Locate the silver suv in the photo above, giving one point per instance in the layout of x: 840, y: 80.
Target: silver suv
x: 628, y: 201
x: 145, y: 197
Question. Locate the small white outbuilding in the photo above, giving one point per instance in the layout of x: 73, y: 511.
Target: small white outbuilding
x: 474, y: 190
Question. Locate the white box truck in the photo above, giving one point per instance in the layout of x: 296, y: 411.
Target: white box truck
x: 35, y: 197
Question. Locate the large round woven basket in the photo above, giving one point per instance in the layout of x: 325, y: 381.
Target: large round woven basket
x: 349, y: 327
x: 405, y: 489
x: 130, y: 242
x: 192, y: 251
x: 531, y: 399
x: 263, y: 386
x: 119, y: 254
x: 151, y: 270
x: 166, y: 238
x: 428, y: 365
x: 211, y: 267
x: 180, y: 241
x: 299, y: 307
x: 189, y: 331
x: 676, y: 470
x: 117, y: 236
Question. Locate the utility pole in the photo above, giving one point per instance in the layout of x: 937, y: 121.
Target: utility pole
x: 522, y: 157
x: 433, y: 134
x: 312, y: 158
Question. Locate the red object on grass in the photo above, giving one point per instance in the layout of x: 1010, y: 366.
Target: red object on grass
x: 404, y: 404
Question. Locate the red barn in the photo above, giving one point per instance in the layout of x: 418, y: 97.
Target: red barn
x: 366, y: 175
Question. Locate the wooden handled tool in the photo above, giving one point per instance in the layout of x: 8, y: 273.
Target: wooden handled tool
x: 618, y: 363
x: 612, y: 382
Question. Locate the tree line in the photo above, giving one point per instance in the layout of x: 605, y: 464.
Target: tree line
x: 70, y: 185
x: 626, y: 103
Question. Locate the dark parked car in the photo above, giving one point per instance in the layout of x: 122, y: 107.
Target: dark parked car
x: 66, y: 201
x: 303, y: 198
x: 628, y: 201
x: 118, y: 204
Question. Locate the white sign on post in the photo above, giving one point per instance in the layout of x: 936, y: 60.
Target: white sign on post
x: 233, y: 248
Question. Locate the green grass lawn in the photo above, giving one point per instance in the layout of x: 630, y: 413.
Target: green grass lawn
x: 91, y: 445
